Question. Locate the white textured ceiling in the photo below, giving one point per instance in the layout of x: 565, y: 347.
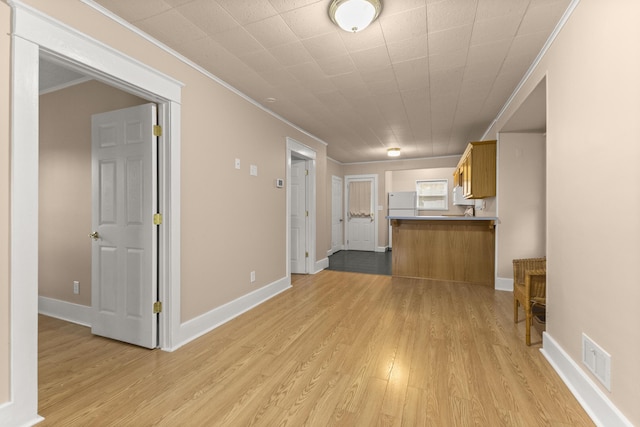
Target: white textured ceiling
x: 428, y: 76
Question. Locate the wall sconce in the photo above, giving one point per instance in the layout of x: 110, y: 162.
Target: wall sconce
x: 354, y: 15
x: 393, y: 152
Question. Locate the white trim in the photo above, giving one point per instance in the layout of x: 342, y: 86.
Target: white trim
x: 534, y: 64
x: 78, y: 48
x: 207, y: 322
x: 381, y: 249
x: 504, y: 284
x: 320, y: 265
x: 309, y: 154
x: 64, y: 310
x: 595, y: 402
x: 35, y: 34
x: 23, y: 286
x: 170, y: 291
x: 193, y: 65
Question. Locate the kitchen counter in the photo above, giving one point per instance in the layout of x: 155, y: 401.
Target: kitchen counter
x: 451, y: 248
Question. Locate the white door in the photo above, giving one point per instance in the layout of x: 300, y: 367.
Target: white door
x: 124, y: 251
x: 360, y: 224
x: 336, y: 214
x: 298, y: 216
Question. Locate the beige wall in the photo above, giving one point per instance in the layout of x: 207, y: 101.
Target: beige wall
x: 5, y: 49
x: 592, y: 201
x: 521, y: 199
x: 65, y: 186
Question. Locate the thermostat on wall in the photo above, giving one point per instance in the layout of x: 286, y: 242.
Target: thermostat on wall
x: 279, y: 182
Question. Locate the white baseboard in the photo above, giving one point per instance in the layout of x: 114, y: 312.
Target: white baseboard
x: 206, y: 322
x: 321, y: 265
x: 75, y: 313
x: 504, y: 284
x: 593, y: 400
x: 12, y: 414
x: 381, y: 249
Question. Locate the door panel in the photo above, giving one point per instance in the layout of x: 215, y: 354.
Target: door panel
x: 361, y: 230
x: 298, y: 230
x: 124, y: 255
x: 336, y: 214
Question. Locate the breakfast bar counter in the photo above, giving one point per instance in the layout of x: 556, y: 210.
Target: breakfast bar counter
x: 452, y: 248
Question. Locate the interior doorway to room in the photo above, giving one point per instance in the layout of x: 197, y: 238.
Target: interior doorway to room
x: 118, y: 284
x: 361, y: 229
x: 301, y: 215
x: 129, y: 306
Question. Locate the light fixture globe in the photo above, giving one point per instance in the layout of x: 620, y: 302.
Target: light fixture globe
x: 354, y: 15
x: 393, y: 152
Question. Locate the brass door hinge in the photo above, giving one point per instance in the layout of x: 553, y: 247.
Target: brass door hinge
x: 157, y: 307
x: 157, y: 130
x: 157, y: 219
x: 306, y: 254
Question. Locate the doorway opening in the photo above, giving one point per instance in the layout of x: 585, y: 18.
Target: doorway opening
x: 299, y: 158
x: 361, y: 229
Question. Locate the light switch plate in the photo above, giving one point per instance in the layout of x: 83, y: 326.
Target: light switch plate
x: 253, y: 170
x: 237, y: 163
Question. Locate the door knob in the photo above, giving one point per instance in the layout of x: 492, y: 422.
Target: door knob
x: 94, y: 235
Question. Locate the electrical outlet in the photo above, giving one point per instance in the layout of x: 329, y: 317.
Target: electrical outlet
x: 253, y: 170
x: 253, y: 276
x: 597, y: 361
x: 76, y: 287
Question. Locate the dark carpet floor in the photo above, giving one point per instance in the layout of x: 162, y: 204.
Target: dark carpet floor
x: 361, y: 262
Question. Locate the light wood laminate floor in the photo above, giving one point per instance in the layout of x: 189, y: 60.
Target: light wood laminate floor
x: 337, y: 349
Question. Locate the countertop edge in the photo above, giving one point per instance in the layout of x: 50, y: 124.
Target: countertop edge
x: 444, y: 218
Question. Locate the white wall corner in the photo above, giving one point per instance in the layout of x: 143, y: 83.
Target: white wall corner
x: 321, y: 265
x: 504, y: 284
x: 194, y: 328
x: 594, y: 401
x: 68, y: 311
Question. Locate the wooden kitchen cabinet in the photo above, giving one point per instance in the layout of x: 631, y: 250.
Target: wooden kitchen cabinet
x: 476, y: 171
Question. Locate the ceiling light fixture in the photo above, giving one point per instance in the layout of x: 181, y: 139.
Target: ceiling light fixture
x: 393, y: 152
x: 354, y: 15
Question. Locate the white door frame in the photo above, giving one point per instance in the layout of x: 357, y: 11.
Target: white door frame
x: 374, y: 202
x: 34, y: 33
x: 307, y: 153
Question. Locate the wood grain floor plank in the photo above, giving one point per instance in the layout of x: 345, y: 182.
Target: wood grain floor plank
x: 338, y: 349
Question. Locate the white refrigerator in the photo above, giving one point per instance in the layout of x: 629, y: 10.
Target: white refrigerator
x: 401, y: 203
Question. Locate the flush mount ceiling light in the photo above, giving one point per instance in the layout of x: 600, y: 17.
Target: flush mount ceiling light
x: 393, y: 152
x: 354, y: 15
